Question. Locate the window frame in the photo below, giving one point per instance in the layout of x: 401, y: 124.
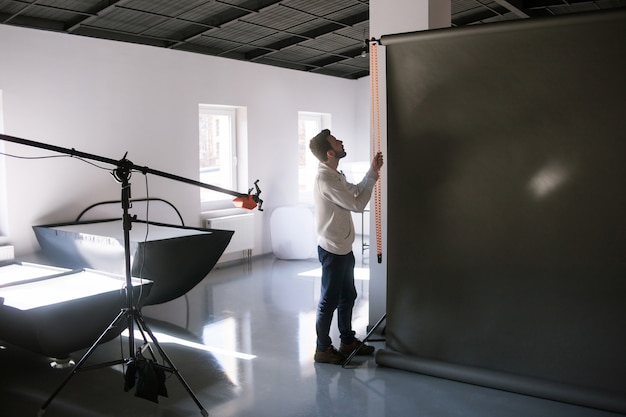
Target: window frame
x: 307, y: 172
x: 222, y: 200
x: 239, y: 154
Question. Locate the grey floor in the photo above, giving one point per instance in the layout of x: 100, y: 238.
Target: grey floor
x: 243, y: 340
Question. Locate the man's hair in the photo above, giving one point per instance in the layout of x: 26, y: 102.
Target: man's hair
x: 319, y: 145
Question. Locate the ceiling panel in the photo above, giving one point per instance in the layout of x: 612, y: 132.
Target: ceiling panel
x: 320, y: 36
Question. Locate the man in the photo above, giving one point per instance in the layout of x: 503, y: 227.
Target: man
x: 335, y: 199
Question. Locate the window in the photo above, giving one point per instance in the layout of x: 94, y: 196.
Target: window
x: 221, y: 136
x: 309, y: 125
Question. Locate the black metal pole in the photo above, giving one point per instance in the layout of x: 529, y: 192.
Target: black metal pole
x: 122, y: 174
x: 354, y: 352
x: 128, y: 164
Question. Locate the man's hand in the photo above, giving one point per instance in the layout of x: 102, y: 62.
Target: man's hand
x: 377, y: 162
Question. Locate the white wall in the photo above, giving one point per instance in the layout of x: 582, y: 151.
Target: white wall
x: 107, y: 98
x: 388, y: 17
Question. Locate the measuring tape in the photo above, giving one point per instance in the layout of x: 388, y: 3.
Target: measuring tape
x: 376, y: 143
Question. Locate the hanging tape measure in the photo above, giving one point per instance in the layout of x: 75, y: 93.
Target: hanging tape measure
x: 376, y: 143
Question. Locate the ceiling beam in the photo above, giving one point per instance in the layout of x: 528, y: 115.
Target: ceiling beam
x: 476, y: 16
x: 19, y: 12
x: 122, y: 36
x: 237, y: 12
x: 97, y: 13
x: 514, y: 6
x: 32, y: 22
x: 334, y: 58
x: 295, y: 38
x: 529, y: 4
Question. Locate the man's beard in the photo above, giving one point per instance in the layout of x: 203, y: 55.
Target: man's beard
x: 341, y: 154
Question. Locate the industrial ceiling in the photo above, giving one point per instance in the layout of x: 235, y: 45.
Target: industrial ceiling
x: 318, y: 36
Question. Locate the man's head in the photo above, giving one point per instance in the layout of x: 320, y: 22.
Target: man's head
x: 326, y: 147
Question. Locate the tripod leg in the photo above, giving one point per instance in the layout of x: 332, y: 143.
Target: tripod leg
x: 144, y: 327
x: 82, y: 360
x: 347, y: 361
x: 146, y: 344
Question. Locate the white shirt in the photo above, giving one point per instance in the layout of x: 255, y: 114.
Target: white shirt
x: 334, y: 199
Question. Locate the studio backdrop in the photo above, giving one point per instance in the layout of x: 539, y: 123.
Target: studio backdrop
x: 507, y: 206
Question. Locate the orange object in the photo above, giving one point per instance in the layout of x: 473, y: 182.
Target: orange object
x: 376, y: 132
x: 246, y: 202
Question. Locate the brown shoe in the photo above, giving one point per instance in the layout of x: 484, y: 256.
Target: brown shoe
x: 347, y: 349
x: 330, y: 355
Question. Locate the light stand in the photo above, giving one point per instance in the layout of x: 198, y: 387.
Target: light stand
x: 365, y: 339
x: 131, y: 313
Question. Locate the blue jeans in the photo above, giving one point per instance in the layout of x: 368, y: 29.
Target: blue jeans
x: 338, y: 293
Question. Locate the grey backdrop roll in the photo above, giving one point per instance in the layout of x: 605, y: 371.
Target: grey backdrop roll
x: 507, y: 203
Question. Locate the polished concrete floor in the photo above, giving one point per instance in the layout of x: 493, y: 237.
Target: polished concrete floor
x: 243, y: 340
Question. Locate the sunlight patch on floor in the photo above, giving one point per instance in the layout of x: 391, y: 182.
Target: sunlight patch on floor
x: 165, y: 338
x: 362, y: 274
